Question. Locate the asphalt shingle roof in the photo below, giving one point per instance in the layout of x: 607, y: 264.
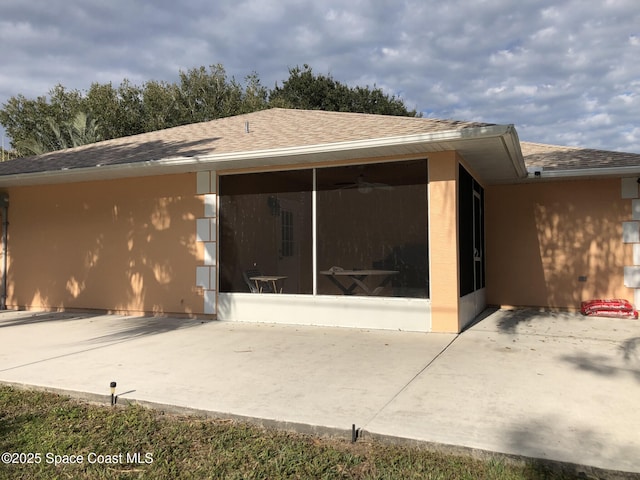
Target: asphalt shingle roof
x: 268, y: 129
x: 281, y: 128
x: 555, y: 157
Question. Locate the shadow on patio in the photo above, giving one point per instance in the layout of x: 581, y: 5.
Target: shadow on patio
x: 8, y: 318
x: 626, y: 363
x: 131, y: 328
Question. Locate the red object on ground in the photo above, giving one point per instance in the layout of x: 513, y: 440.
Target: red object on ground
x: 615, y: 307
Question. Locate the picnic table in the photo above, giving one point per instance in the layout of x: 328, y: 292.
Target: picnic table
x: 337, y: 276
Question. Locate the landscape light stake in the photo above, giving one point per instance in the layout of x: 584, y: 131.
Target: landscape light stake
x: 355, y: 433
x: 112, y: 385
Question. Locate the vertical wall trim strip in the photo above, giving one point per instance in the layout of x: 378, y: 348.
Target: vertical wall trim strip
x: 206, y: 234
x: 631, y: 233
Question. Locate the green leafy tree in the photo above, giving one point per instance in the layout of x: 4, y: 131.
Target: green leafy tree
x: 104, y: 101
x: 80, y: 130
x: 28, y: 122
x: 160, y: 106
x: 306, y: 90
x: 255, y: 95
x: 118, y: 111
x: 83, y: 129
x: 207, y: 95
x: 67, y: 118
x: 130, y: 116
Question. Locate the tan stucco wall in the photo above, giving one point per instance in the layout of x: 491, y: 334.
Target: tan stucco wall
x: 120, y: 245
x: 443, y: 242
x: 541, y: 237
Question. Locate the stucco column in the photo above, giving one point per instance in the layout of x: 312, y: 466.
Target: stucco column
x: 443, y: 245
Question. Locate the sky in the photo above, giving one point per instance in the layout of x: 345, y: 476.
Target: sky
x: 564, y: 72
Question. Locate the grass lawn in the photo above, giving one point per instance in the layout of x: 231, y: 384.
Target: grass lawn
x: 100, y: 442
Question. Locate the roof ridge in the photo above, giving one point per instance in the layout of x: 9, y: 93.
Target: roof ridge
x: 540, y: 144
x: 364, y: 114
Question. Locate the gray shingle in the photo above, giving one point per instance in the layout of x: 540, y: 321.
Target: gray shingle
x: 281, y: 128
x: 268, y: 129
x: 555, y: 157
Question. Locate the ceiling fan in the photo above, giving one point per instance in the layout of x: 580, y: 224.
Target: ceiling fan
x: 363, y: 185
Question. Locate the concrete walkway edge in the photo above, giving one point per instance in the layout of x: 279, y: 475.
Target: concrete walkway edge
x: 344, y: 434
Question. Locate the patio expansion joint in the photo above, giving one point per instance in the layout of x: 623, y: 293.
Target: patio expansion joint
x: 406, y: 385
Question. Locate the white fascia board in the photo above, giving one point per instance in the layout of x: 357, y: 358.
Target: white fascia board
x: 512, y: 146
x: 587, y: 172
x: 204, y: 162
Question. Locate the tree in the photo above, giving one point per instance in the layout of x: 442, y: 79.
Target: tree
x: 255, y: 95
x: 208, y: 95
x: 306, y: 90
x: 118, y: 111
x: 160, y: 106
x: 67, y: 118
x: 80, y: 130
x: 83, y: 129
x: 28, y: 122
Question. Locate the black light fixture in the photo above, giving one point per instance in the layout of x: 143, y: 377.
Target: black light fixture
x: 112, y: 385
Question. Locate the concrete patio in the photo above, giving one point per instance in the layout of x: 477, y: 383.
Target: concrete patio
x: 555, y: 386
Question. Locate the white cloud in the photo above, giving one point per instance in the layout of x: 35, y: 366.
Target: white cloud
x: 561, y: 71
x: 627, y: 99
x: 595, y: 120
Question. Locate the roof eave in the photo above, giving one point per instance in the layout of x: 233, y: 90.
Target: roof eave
x: 378, y: 147
x: 576, y: 173
x: 512, y: 146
